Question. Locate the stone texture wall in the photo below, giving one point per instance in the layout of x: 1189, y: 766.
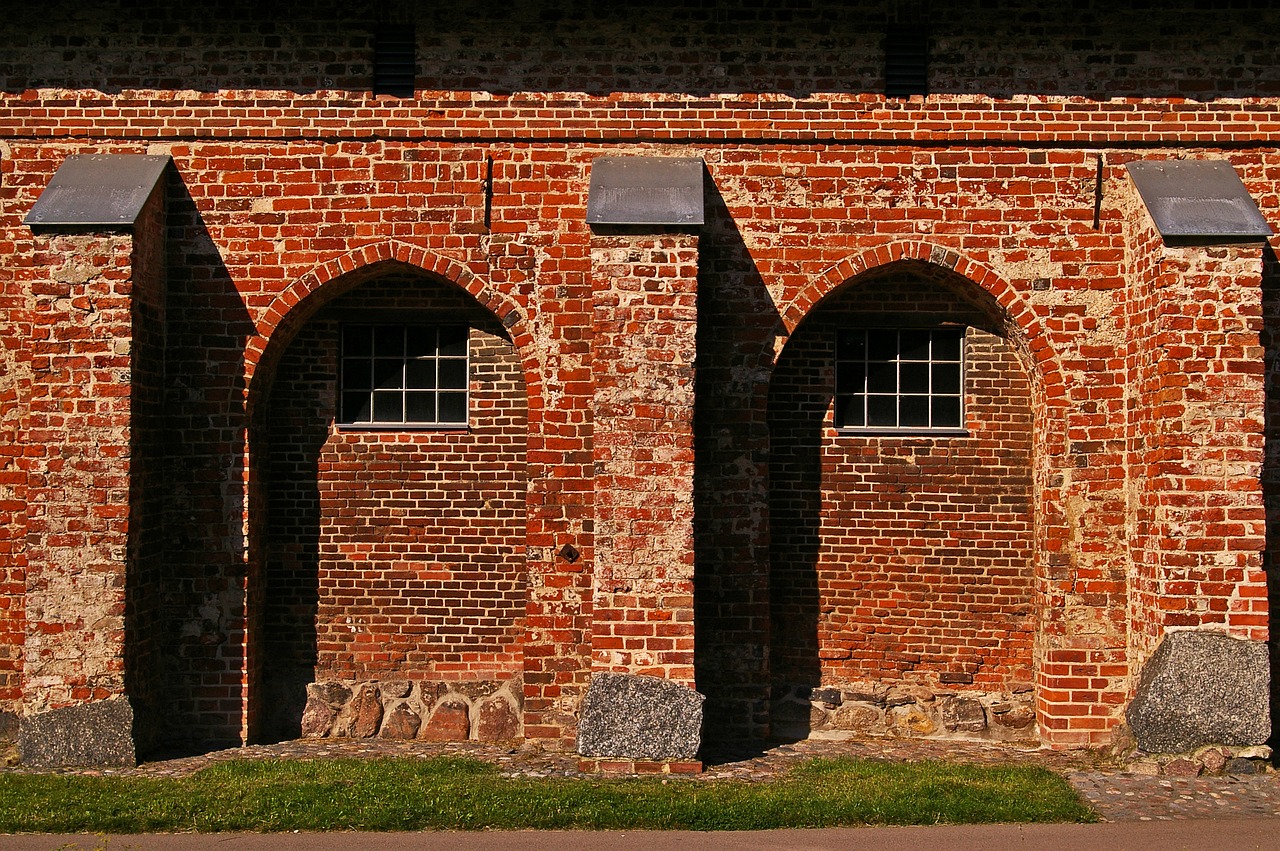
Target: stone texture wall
x: 486, y: 711
x: 293, y: 180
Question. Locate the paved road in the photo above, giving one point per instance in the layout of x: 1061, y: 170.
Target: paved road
x: 1233, y: 834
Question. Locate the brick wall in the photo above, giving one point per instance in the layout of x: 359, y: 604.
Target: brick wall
x: 901, y: 557
x: 148, y: 442
x: 643, y: 334
x: 292, y: 179
x: 393, y: 555
x: 77, y: 465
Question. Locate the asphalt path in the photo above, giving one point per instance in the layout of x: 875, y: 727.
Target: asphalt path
x: 1234, y: 834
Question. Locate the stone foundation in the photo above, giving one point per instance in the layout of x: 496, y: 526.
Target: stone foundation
x: 903, y: 709
x: 484, y: 710
x: 1214, y: 759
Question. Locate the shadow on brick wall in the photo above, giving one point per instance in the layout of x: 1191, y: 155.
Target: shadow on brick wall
x: 1096, y: 50
x: 194, y: 656
x: 731, y: 573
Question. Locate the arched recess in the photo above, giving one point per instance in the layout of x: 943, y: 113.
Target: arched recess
x: 910, y: 570
x: 387, y: 584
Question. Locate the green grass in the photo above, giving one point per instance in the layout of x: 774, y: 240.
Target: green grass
x: 453, y: 794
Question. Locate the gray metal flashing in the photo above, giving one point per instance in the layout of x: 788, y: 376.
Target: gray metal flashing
x: 1198, y: 201
x: 646, y: 191
x: 97, y: 191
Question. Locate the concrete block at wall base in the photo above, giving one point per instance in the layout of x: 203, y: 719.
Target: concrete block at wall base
x: 640, y: 718
x: 1202, y: 688
x: 97, y: 734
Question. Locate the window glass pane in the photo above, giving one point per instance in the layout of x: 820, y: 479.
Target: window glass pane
x: 420, y: 407
x: 882, y: 345
x: 356, y: 374
x: 420, y: 342
x: 453, y: 374
x: 850, y: 378
x: 388, y: 374
x: 882, y: 378
x: 851, y: 345
x: 357, y: 340
x: 913, y: 378
x: 388, y: 341
x: 420, y: 374
x: 913, y: 411
x: 946, y: 345
x: 453, y: 407
x: 914, y: 345
x: 453, y: 342
x: 355, y: 408
x: 946, y: 378
x: 387, y: 408
x: 946, y: 412
x: 849, y: 411
x: 882, y: 410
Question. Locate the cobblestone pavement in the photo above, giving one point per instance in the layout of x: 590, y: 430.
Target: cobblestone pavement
x: 1115, y: 794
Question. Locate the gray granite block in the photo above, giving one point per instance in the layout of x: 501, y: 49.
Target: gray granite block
x: 636, y: 717
x: 1202, y: 688
x: 90, y: 734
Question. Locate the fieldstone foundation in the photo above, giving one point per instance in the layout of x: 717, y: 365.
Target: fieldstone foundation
x: 902, y: 709
x: 485, y: 710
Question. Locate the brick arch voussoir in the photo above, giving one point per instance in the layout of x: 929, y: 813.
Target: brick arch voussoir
x: 1023, y: 318
x: 283, y: 316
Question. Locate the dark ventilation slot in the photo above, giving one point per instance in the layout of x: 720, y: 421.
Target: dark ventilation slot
x: 906, y: 61
x: 395, y: 60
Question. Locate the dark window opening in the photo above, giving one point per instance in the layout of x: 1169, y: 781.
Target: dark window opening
x: 395, y: 60
x: 900, y: 380
x: 404, y: 375
x: 906, y: 61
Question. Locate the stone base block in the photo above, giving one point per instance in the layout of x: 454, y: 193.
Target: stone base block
x: 630, y: 717
x: 97, y: 734
x: 1199, y: 689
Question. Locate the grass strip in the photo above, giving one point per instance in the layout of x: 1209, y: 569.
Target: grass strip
x: 459, y: 794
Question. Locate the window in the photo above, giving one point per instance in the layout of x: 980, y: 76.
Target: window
x: 906, y: 61
x: 900, y: 380
x: 402, y: 375
x: 395, y: 61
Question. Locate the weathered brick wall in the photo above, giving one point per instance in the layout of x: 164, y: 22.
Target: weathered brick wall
x: 643, y: 351
x: 292, y: 176
x: 15, y: 389
x: 1189, y: 50
x: 901, y: 558
x: 393, y: 555
x: 77, y: 464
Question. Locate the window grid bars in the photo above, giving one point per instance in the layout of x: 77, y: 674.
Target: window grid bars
x: 387, y: 378
x: 944, y: 408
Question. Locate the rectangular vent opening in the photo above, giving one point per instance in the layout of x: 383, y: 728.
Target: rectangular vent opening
x: 906, y: 61
x: 395, y: 60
